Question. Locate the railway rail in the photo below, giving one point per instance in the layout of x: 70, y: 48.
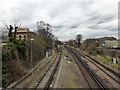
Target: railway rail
x: 13, y: 85
x: 96, y: 61
x: 16, y: 83
x: 53, y: 73
x: 92, y: 78
x: 87, y: 72
x: 114, y: 76
x: 45, y: 81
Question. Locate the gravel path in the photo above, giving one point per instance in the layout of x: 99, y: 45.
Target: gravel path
x: 68, y: 74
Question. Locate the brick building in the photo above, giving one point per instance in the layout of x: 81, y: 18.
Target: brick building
x: 25, y: 34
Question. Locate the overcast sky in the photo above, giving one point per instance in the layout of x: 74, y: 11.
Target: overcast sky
x: 91, y: 18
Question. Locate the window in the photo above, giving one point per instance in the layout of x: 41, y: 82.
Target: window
x: 25, y: 37
x: 20, y: 37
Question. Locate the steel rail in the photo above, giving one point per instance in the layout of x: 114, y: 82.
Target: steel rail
x: 39, y: 81
x: 99, y: 67
x: 82, y: 71
x: 53, y: 73
x: 95, y: 77
x: 50, y: 79
x: 107, y: 68
x: 24, y: 77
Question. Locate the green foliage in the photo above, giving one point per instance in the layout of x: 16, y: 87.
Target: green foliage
x: 43, y: 42
x: 39, y: 47
x: 10, y: 44
x: 11, y: 39
x: 5, y: 75
x: 18, y: 51
x: 20, y: 44
x: 93, y: 50
x: 9, y: 54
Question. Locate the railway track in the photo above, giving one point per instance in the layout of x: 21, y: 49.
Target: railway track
x: 91, y: 78
x: 107, y: 68
x: 111, y: 75
x: 13, y: 85
x: 17, y: 84
x: 45, y: 81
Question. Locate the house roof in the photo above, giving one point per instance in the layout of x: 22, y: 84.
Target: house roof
x: 24, y: 30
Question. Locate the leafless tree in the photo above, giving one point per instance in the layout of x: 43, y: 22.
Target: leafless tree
x: 17, y: 24
x: 13, y: 26
x: 44, y: 30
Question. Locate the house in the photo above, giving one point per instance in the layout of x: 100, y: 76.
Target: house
x: 25, y: 34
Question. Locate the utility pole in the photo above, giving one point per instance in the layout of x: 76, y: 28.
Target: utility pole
x: 31, y: 53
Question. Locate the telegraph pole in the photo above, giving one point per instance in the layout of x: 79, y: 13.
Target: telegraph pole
x: 31, y: 53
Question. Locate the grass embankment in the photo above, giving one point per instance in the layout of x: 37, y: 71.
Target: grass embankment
x: 107, y: 61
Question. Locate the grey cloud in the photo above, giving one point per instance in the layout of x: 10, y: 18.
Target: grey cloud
x: 91, y: 13
x: 94, y: 27
x: 95, y: 17
x: 59, y: 26
x: 100, y: 22
x: 24, y: 11
x: 65, y: 18
x: 74, y: 26
x: 101, y: 33
x: 107, y: 18
x: 98, y: 18
x: 57, y: 9
x: 111, y: 28
x: 56, y: 30
x: 63, y: 37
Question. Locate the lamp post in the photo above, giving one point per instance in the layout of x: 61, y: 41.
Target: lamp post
x: 31, y: 52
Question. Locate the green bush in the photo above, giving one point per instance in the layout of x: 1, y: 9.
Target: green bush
x: 93, y: 50
x: 11, y: 44
x: 9, y: 54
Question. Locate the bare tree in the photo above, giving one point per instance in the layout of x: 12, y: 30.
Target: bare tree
x: 44, y: 30
x: 13, y: 26
x: 3, y: 34
x: 17, y: 24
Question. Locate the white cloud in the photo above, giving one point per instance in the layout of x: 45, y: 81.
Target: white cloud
x: 67, y: 17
